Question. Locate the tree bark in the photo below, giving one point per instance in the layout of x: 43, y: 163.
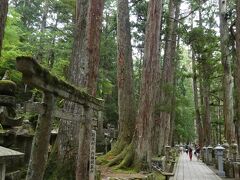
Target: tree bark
x: 196, y: 103
x: 3, y: 18
x: 94, y: 21
x: 167, y: 81
x: 39, y: 152
x: 82, y: 72
x: 206, y: 101
x: 126, y: 102
x: 139, y: 152
x: 227, y: 76
x: 237, y: 75
x: 149, y: 86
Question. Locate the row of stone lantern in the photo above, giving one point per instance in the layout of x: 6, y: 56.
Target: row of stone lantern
x: 225, y: 158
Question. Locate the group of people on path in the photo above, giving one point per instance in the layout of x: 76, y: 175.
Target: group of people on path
x: 189, y: 151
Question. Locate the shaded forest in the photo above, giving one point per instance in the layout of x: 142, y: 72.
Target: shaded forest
x: 167, y: 71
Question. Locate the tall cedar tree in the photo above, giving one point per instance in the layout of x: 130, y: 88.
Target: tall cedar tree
x: 237, y: 75
x: 167, y: 79
x: 175, y: 47
x: 94, y: 22
x: 227, y: 76
x: 204, y: 89
x: 3, y: 18
x: 83, y: 73
x: 126, y: 103
x: 139, y: 153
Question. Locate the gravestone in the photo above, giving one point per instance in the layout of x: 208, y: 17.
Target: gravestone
x: 92, y: 167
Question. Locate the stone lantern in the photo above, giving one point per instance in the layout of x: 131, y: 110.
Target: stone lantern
x: 210, y: 151
x: 219, y: 152
x: 205, y: 154
x: 226, y: 151
x: 167, y: 152
x: 234, y: 150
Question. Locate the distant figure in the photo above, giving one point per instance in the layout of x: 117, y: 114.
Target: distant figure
x: 198, y: 152
x: 186, y: 148
x: 190, y: 153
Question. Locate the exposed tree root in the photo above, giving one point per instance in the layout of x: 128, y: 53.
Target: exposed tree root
x: 127, y: 161
x: 114, y: 153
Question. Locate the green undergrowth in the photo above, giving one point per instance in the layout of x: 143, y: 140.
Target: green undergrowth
x: 59, y: 170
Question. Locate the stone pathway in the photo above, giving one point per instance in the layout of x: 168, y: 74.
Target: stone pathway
x: 193, y: 170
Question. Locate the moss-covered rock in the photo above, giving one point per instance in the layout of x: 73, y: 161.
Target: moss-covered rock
x: 7, y: 87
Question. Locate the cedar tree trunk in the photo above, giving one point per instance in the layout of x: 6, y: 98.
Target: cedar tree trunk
x: 227, y: 76
x: 237, y: 76
x: 149, y: 86
x: 3, y: 18
x: 126, y: 103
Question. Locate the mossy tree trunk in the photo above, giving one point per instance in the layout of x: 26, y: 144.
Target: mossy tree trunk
x: 149, y: 85
x: 237, y: 75
x: 204, y: 81
x: 227, y: 76
x: 197, y: 96
x: 139, y: 152
x: 94, y: 21
x: 3, y: 18
x: 126, y: 105
x: 196, y: 103
x: 39, y: 152
x: 167, y: 79
x: 83, y: 72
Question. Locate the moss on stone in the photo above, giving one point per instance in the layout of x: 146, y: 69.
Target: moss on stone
x: 29, y: 67
x: 57, y: 170
x: 7, y: 87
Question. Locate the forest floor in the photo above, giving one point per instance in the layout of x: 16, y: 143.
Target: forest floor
x: 107, y: 173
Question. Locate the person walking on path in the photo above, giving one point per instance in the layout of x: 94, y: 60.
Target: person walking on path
x: 190, y: 153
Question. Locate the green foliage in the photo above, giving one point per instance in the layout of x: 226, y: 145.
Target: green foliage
x: 185, y: 116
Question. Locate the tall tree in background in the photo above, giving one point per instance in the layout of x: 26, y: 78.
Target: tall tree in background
x: 126, y: 103
x: 149, y: 86
x: 167, y: 77
x: 74, y: 137
x: 93, y: 29
x: 237, y: 74
x: 3, y: 18
x: 204, y: 86
x: 227, y: 76
x: 175, y: 47
x: 198, y: 119
x: 139, y: 152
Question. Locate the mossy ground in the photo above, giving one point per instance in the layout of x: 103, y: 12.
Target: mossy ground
x: 112, y: 172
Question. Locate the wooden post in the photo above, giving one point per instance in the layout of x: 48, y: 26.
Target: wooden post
x: 39, y: 152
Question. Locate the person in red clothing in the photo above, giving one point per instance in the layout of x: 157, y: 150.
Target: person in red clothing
x: 190, y: 153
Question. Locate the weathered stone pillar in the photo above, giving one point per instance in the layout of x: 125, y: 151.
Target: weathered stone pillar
x: 219, y: 151
x: 167, y: 153
x: 39, y: 153
x: 236, y: 166
x: 2, y: 171
x: 84, y: 144
x: 204, y: 154
x: 234, y: 151
x: 92, y: 167
x: 226, y: 151
x: 210, y: 151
